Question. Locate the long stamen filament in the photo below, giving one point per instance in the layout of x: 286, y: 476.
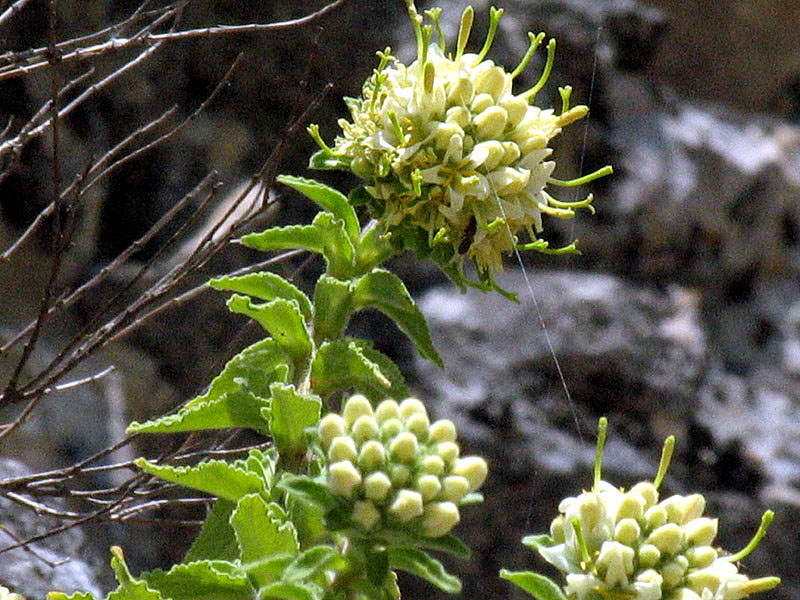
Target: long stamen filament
x: 666, y: 457
x: 602, y: 428
x: 494, y: 20
x: 766, y: 519
x: 535, y: 41
x: 601, y: 172
x: 548, y: 67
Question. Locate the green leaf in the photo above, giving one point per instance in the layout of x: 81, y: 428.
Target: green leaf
x: 282, y: 319
x: 216, y: 540
x: 377, y: 566
x: 449, y: 544
x: 264, y: 286
x: 347, y: 363
x: 305, y: 487
x: 534, y: 542
x: 234, y: 409
x: 329, y: 199
x: 235, y: 397
x: 201, y: 580
x: 290, y: 413
x: 286, y: 591
x: 326, y: 235
x: 261, y: 532
x: 423, y: 565
x: 386, y: 292
x: 130, y: 588
x: 538, y: 586
x: 333, y: 305
x: 312, y: 562
x: 219, y: 478
x: 291, y: 237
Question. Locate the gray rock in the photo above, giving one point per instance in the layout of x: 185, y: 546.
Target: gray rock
x: 52, y: 564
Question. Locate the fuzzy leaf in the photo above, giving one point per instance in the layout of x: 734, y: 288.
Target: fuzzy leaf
x: 291, y: 237
x: 264, y: 286
x: 333, y: 305
x: 235, y: 397
x: 282, y: 319
x: 386, y: 292
x: 219, y: 478
x: 201, y: 580
x: 312, y: 562
x: 347, y: 363
x: 309, y: 489
x: 262, y: 531
x: 329, y: 199
x: 538, y: 586
x: 326, y: 235
x: 377, y: 566
x: 423, y: 565
x: 323, y: 161
x: 286, y: 591
x: 216, y: 540
x: 290, y: 413
x: 234, y: 409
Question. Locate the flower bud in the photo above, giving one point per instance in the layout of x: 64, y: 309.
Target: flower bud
x: 342, y: 448
x: 702, y: 531
x: 515, y: 108
x: 631, y: 507
x: 668, y: 538
x: 343, y: 478
x: 458, y: 115
x: 557, y: 529
x: 693, y: 507
x: 355, y: 407
x: 491, y: 122
x: 627, y: 532
x: 455, y: 487
x: 442, y: 431
x: 407, y: 505
x: 391, y: 428
x: 376, y: 486
x: 372, y: 456
x: 365, y: 514
x: 429, y: 486
x: 511, y: 153
x: 705, y: 579
x: 491, y: 81
x: 448, y: 451
x: 508, y: 181
x: 331, y: 426
x: 473, y: 468
x: 404, y: 447
x: 400, y: 475
x: 439, y: 518
x: 487, y: 154
x: 388, y: 409
x: 649, y: 555
x: 655, y: 517
x: 433, y: 465
x: 419, y: 425
x: 648, y: 493
x: 673, y: 573
x: 480, y: 103
x: 701, y: 556
x: 365, y: 428
x: 461, y: 93
x: 411, y: 406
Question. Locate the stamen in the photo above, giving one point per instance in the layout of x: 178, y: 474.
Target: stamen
x: 433, y: 14
x: 313, y: 131
x: 666, y: 457
x: 548, y: 67
x: 586, y: 559
x: 766, y: 519
x: 463, y: 31
x: 416, y: 19
x: 565, y: 93
x: 543, y: 246
x: 427, y: 34
x: 602, y: 427
x: 535, y: 41
x: 585, y: 203
x: 494, y: 19
x: 601, y: 172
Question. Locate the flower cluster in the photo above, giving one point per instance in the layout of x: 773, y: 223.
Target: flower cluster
x: 613, y: 543
x: 455, y: 163
x: 397, y: 468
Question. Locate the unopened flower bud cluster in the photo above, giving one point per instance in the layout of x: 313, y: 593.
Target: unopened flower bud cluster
x: 6, y: 594
x: 449, y: 150
x: 397, y: 468
x: 611, y: 542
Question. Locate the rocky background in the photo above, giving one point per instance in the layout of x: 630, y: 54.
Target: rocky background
x: 682, y: 315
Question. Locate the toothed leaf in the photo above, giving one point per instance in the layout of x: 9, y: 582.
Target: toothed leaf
x: 333, y: 305
x: 264, y: 286
x: 329, y: 199
x: 538, y: 586
x: 423, y: 565
x: 385, y: 291
x: 201, y: 580
x: 290, y: 413
x: 216, y: 540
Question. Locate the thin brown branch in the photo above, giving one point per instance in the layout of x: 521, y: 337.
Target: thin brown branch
x: 120, y: 44
x: 12, y: 10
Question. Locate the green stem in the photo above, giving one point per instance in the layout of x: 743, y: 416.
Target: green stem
x: 766, y: 519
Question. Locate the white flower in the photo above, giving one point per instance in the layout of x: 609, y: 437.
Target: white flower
x: 456, y: 164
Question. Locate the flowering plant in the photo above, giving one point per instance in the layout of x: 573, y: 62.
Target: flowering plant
x: 357, y: 482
